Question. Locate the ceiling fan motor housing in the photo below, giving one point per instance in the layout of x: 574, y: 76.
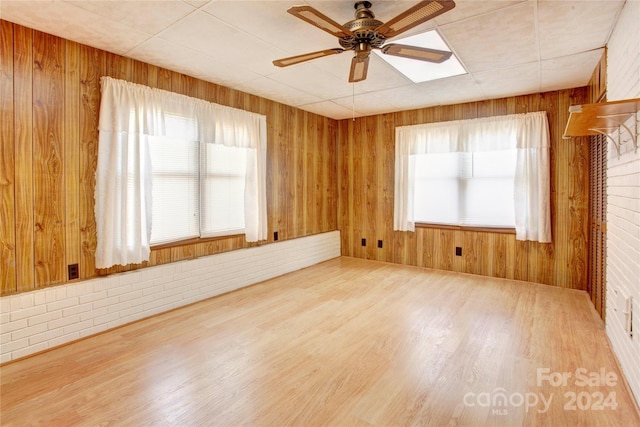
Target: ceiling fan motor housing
x: 363, y: 28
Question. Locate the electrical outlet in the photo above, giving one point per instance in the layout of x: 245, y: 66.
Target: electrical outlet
x: 363, y: 242
x: 73, y: 271
x: 380, y: 244
x: 275, y: 236
x: 458, y: 251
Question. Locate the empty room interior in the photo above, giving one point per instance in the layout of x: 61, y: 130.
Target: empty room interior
x: 320, y: 213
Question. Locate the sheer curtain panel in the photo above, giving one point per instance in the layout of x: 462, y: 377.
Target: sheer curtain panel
x: 527, y: 133
x: 129, y: 115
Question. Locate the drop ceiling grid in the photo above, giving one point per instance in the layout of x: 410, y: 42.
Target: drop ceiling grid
x: 508, y: 47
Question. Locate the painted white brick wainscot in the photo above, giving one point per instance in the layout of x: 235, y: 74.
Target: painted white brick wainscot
x: 46, y: 318
x: 623, y: 201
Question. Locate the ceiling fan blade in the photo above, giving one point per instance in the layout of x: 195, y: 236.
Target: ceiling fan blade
x: 285, y: 62
x: 415, y: 52
x: 416, y: 15
x: 320, y: 20
x: 359, y: 67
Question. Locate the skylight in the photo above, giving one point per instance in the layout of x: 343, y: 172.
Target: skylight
x: 421, y: 71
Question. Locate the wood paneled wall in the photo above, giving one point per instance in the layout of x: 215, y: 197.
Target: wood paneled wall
x: 366, y: 185
x: 598, y: 83
x: 50, y: 95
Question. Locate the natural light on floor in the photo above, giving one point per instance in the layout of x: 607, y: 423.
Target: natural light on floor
x: 422, y: 71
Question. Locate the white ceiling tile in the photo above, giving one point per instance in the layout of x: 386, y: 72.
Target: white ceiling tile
x: 329, y: 109
x: 198, y: 3
x: 313, y: 80
x: 516, y: 80
x: 276, y: 91
x: 204, y: 33
x: 400, y: 98
x: 570, y: 27
x: 71, y: 22
x: 569, y: 71
x: 149, y: 16
x: 452, y: 90
x: 270, y: 22
x: 498, y: 39
x: 179, y: 58
x: 466, y: 9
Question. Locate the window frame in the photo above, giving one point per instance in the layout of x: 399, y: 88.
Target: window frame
x: 532, y: 186
x: 200, y: 173
x: 463, y: 179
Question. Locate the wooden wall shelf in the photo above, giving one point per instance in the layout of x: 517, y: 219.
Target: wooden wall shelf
x: 604, y: 118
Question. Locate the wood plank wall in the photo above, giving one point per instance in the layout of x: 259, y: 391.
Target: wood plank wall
x: 366, y: 185
x: 50, y: 95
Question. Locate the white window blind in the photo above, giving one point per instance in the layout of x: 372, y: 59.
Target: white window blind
x: 174, y: 168
x: 222, y: 190
x: 472, y: 189
x: 198, y: 188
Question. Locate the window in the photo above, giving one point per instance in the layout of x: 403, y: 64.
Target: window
x: 491, y: 172
x: 174, y: 169
x: 171, y: 167
x: 472, y: 189
x: 222, y: 190
x: 198, y: 188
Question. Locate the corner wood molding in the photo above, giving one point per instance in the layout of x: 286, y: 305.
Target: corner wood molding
x: 604, y: 118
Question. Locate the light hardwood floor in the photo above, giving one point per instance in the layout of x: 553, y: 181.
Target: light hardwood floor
x: 346, y: 342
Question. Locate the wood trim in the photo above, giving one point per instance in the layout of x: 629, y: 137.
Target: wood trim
x: 194, y: 241
x: 499, y: 230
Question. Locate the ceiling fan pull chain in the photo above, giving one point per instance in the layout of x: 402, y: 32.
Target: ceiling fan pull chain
x: 353, y: 101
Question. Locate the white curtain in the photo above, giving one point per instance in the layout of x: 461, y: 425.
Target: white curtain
x: 528, y: 133
x: 532, y: 181
x: 129, y: 114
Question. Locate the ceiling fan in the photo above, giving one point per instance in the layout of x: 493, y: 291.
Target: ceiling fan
x: 365, y: 33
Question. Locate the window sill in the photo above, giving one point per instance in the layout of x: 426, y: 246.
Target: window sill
x: 193, y: 241
x: 499, y: 230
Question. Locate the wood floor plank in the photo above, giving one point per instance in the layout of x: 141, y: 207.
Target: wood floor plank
x: 345, y: 342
